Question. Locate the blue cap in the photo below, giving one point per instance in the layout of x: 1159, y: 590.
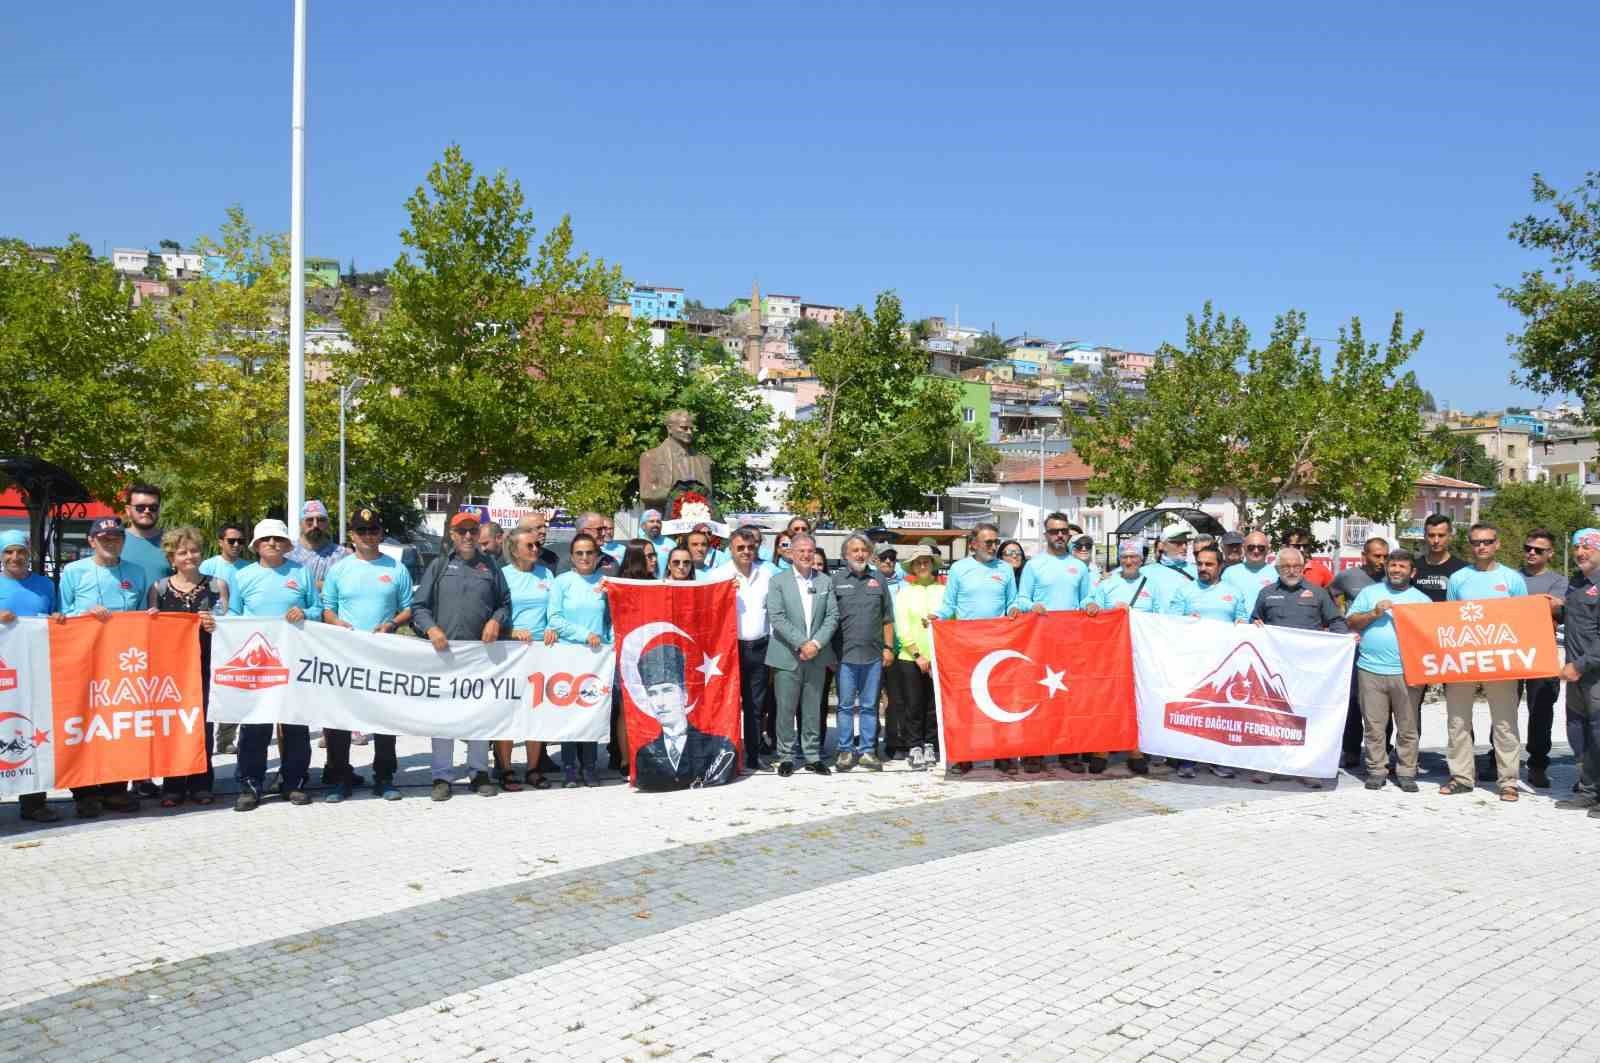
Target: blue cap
x: 1586, y: 536
x: 103, y: 525
x: 11, y: 538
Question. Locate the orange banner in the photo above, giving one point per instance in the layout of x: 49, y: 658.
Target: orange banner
x: 1484, y: 641
x: 127, y: 698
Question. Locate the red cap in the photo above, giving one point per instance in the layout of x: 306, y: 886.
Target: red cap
x: 464, y: 518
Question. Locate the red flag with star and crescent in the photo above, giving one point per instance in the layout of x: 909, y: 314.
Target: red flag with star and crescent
x: 1038, y: 684
x: 678, y: 670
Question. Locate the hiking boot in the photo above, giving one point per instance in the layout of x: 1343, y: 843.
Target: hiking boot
x: 868, y: 762
x: 1374, y: 782
x: 441, y: 790
x: 483, y: 786
x: 844, y: 761
x: 298, y: 796
x: 1407, y: 785
x: 247, y: 800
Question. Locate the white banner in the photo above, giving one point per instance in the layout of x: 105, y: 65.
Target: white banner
x: 1262, y: 698
x: 27, y: 756
x: 272, y: 671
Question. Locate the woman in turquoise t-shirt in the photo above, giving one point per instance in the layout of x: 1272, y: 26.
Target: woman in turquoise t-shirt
x: 531, y: 584
x: 579, y: 613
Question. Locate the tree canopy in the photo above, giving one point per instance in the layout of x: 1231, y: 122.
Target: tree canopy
x: 1518, y: 508
x: 1463, y: 457
x: 1266, y: 427
x: 1559, y: 345
x: 881, y: 437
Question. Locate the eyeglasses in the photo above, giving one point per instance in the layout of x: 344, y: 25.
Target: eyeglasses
x: 744, y: 548
x: 987, y: 542
x: 679, y: 561
x: 1483, y: 542
x: 235, y: 541
x: 1531, y: 549
x: 146, y: 507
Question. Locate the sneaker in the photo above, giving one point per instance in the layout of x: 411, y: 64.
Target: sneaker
x: 915, y: 760
x: 483, y: 786
x: 1374, y: 782
x: 1033, y: 765
x: 961, y: 767
x: 1579, y: 803
x: 1594, y: 813
x: 146, y: 788
x: 868, y: 762
x: 41, y: 814
x: 1539, y: 778
x: 930, y: 756
x: 1186, y: 770
x: 1076, y: 765
x: 1221, y: 771
x: 246, y: 801
x: 569, y: 784
x: 1139, y: 765
x: 845, y: 761
x: 87, y: 807
x: 359, y: 738
x: 1259, y: 777
x: 1407, y: 785
x: 785, y: 769
x: 228, y: 749
x: 338, y: 793
x: 299, y: 797
x: 386, y: 790
x: 441, y: 790
x: 1310, y: 784
x: 1097, y: 764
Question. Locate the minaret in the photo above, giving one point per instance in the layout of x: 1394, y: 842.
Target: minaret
x: 753, y: 333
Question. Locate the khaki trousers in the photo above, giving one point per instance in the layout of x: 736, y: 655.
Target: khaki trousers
x: 1503, y: 700
x: 1384, y: 697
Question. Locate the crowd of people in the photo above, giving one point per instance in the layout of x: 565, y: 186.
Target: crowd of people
x: 864, y: 629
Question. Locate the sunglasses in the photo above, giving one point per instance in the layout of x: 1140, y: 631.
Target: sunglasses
x: 1483, y: 542
x: 1256, y: 549
x: 1536, y: 549
x: 146, y: 507
x: 679, y: 561
x: 234, y: 541
x: 1056, y: 531
x: 583, y: 553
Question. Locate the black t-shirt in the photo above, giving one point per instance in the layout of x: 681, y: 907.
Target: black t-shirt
x: 1434, y: 580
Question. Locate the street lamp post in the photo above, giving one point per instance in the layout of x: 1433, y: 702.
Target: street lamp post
x: 356, y: 384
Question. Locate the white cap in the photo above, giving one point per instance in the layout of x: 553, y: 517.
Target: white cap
x: 270, y: 529
x: 1173, y: 532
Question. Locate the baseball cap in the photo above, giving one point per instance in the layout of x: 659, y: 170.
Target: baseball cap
x: 1586, y: 537
x: 11, y: 538
x: 270, y: 529
x: 104, y: 525
x: 1130, y: 546
x: 1083, y: 541
x: 313, y: 508
x: 366, y: 517
x: 888, y: 551
x: 1231, y: 539
x: 928, y: 540
x: 462, y: 519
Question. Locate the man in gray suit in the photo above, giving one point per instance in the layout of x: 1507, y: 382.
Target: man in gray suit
x: 803, y: 615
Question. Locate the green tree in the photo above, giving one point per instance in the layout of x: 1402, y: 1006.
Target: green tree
x: 1559, y: 345
x: 89, y: 379
x: 1258, y: 425
x: 810, y: 337
x: 1518, y: 508
x: 880, y: 439
x: 988, y: 346
x: 228, y: 451
x: 1463, y: 457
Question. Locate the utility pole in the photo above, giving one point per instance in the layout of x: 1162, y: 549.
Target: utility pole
x: 297, y: 273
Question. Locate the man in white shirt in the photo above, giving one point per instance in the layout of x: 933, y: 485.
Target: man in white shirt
x: 752, y: 578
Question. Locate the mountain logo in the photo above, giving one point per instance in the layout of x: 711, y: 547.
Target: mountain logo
x: 255, y: 667
x: 8, y: 676
x: 18, y: 740
x: 1241, y: 703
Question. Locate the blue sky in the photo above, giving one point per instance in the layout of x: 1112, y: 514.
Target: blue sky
x: 1087, y: 174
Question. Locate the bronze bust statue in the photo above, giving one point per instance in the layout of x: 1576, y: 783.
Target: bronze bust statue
x: 674, y: 461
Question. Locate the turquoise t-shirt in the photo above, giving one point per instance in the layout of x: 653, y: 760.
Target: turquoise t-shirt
x: 1379, y: 651
x: 530, y: 598
x: 261, y: 591
x: 137, y: 550
x: 217, y: 567
x: 578, y: 608
x: 975, y: 591
x: 1468, y: 584
x: 1211, y: 601
x: 32, y: 595
x: 1117, y: 589
x: 84, y: 584
x: 1058, y: 583
x: 1249, y: 583
x: 364, y: 594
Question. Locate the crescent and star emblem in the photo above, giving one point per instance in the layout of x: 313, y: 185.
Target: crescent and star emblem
x: 639, y: 640
x: 1053, y: 682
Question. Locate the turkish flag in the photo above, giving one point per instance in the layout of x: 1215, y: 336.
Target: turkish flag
x: 678, y: 670
x: 127, y: 698
x: 1039, y: 684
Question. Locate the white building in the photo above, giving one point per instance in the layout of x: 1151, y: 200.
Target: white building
x: 781, y: 310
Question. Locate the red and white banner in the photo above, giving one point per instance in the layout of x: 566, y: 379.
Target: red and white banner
x: 1035, y: 685
x: 1262, y: 698
x: 1477, y: 642
x: 90, y: 701
x: 678, y: 664
x: 267, y: 670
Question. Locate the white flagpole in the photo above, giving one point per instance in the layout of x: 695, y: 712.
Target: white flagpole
x: 297, y: 275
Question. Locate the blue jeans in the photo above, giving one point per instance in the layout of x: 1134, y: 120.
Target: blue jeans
x: 858, y: 700
x: 576, y: 756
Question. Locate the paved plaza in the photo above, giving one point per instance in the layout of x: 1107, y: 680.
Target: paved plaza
x: 861, y: 916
